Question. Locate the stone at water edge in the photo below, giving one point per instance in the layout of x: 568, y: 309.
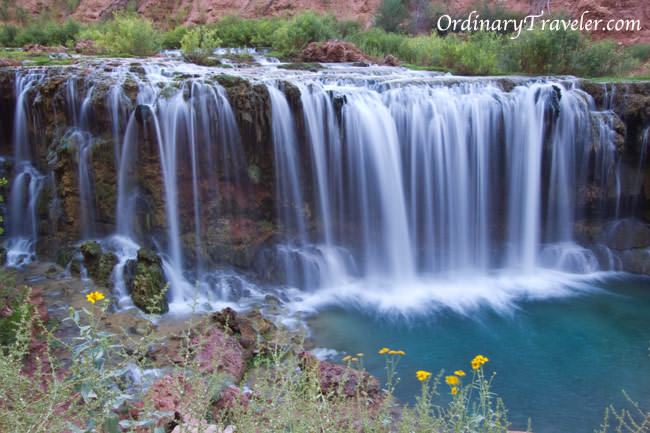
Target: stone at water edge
x: 8, y: 62
x: 218, y: 351
x: 331, y: 375
x: 98, y: 264
x: 145, y: 281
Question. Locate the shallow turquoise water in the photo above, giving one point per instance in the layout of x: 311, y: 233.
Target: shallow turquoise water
x: 559, y: 361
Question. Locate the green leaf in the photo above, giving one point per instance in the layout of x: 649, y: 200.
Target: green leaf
x: 111, y: 424
x: 87, y: 392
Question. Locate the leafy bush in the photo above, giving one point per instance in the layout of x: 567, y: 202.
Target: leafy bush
x: 8, y: 34
x: 391, y: 15
x: 199, y: 43
x: 171, y: 40
x: 239, y: 32
x: 302, y: 29
x: 378, y: 42
x: 639, y: 51
x: 127, y: 33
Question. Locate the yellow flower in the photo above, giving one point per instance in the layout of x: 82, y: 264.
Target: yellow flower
x: 454, y: 390
x: 384, y: 350
x: 478, y: 361
x: 347, y: 358
x: 422, y: 375
x: 392, y: 352
x: 459, y: 373
x: 95, y: 296
x: 360, y: 355
x: 355, y: 359
x: 452, y: 380
x: 400, y: 352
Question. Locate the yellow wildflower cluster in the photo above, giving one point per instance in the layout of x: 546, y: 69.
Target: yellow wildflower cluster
x: 391, y: 352
x: 422, y: 375
x: 94, y: 297
x: 353, y: 359
x: 478, y: 361
x: 452, y: 380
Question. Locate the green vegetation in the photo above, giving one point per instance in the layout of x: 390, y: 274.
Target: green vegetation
x: 410, y: 38
x: 126, y: 33
x: 82, y: 384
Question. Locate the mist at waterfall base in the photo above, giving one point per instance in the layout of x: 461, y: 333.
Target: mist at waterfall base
x: 432, y: 216
x: 559, y: 362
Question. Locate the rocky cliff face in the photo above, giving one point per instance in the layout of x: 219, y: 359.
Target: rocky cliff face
x: 105, y: 157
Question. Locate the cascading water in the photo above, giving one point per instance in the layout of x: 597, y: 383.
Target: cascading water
x: 392, y: 189
x: 27, y: 181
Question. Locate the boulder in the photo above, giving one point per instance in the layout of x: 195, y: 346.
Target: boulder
x: 216, y: 351
x: 636, y: 261
x: 333, y: 51
x: 86, y: 47
x: 98, y: 264
x: 339, y: 379
x: 627, y: 234
x: 145, y: 281
x: 390, y: 60
x: 8, y: 62
x: 43, y: 49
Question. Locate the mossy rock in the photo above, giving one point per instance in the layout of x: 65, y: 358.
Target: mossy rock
x: 3, y: 256
x: 65, y: 255
x: 99, y: 264
x: 145, y: 281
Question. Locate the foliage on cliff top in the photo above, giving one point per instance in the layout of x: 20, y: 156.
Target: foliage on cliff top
x: 533, y: 52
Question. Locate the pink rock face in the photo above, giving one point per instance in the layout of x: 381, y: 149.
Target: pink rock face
x: 85, y: 46
x: 390, y: 60
x: 340, y: 379
x: 8, y: 62
x: 217, y: 351
x: 333, y: 52
x: 43, y: 49
x: 232, y: 397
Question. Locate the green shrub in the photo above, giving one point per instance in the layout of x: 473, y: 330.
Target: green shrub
x: 171, y: 40
x: 639, y: 51
x: 199, y: 43
x: 127, y: 33
x: 391, y: 14
x: 239, y: 32
x: 544, y: 52
x: 302, y: 29
x: 8, y: 35
x: 378, y: 42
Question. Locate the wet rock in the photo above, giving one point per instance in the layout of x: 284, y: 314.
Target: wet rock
x: 390, y: 60
x: 8, y: 62
x: 99, y: 264
x: 627, y: 234
x: 636, y: 261
x: 86, y: 47
x: 3, y: 256
x: 145, y: 280
x: 44, y: 49
x: 65, y: 255
x: 333, y: 51
x: 217, y: 351
x: 340, y: 380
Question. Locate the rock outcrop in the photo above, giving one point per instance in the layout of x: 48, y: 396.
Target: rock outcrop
x: 145, y: 281
x: 333, y: 52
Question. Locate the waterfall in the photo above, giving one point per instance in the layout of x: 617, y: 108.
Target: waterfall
x: 27, y: 181
x: 392, y: 189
